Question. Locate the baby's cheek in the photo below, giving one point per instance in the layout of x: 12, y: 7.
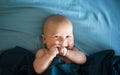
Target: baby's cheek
x: 55, y: 42
x: 70, y: 45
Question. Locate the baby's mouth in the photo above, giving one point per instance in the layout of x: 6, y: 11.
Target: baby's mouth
x: 66, y: 47
x: 58, y: 48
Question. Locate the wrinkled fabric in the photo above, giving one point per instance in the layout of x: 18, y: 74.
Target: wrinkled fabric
x: 16, y: 61
x: 96, y: 23
x: 58, y: 67
x: 101, y: 63
x: 19, y: 61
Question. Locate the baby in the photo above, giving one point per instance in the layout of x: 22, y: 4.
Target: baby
x: 59, y: 40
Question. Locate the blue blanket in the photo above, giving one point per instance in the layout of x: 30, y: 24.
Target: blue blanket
x: 18, y: 61
x: 58, y: 67
x: 96, y: 23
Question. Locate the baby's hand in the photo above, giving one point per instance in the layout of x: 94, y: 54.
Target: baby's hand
x: 53, y: 50
x: 62, y: 51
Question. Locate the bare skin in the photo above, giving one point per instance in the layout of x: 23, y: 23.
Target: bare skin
x: 59, y: 39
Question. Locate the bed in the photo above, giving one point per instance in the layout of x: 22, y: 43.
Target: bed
x: 96, y: 23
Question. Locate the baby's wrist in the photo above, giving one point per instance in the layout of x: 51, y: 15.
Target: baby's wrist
x: 51, y: 55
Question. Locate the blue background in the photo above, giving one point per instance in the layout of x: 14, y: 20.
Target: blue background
x: 96, y: 23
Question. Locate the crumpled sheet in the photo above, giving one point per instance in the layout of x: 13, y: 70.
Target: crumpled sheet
x: 96, y: 23
x: 18, y: 61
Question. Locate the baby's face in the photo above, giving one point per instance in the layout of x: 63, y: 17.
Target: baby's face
x: 60, y: 34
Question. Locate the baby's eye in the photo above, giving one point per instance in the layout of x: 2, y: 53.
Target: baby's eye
x: 68, y: 36
x: 56, y: 37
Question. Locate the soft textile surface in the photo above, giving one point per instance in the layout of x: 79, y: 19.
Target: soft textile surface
x: 96, y: 23
x: 18, y: 61
x: 100, y: 63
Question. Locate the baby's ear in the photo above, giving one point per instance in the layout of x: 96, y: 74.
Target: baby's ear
x: 43, y: 37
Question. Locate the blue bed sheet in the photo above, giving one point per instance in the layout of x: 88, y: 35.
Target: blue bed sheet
x: 96, y: 23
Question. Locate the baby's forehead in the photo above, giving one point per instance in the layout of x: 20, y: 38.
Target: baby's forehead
x: 57, y: 21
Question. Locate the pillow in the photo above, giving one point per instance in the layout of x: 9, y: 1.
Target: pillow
x: 96, y: 23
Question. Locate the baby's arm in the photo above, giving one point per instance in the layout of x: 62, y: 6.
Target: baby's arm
x: 43, y: 59
x: 73, y: 55
x: 76, y: 56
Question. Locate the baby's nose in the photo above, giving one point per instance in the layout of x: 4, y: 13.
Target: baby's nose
x: 63, y: 42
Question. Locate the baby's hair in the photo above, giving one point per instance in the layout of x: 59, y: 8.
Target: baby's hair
x: 56, y: 18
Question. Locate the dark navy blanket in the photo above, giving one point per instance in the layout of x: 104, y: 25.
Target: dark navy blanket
x: 18, y: 61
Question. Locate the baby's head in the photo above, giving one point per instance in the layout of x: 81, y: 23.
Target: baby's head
x: 58, y: 30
